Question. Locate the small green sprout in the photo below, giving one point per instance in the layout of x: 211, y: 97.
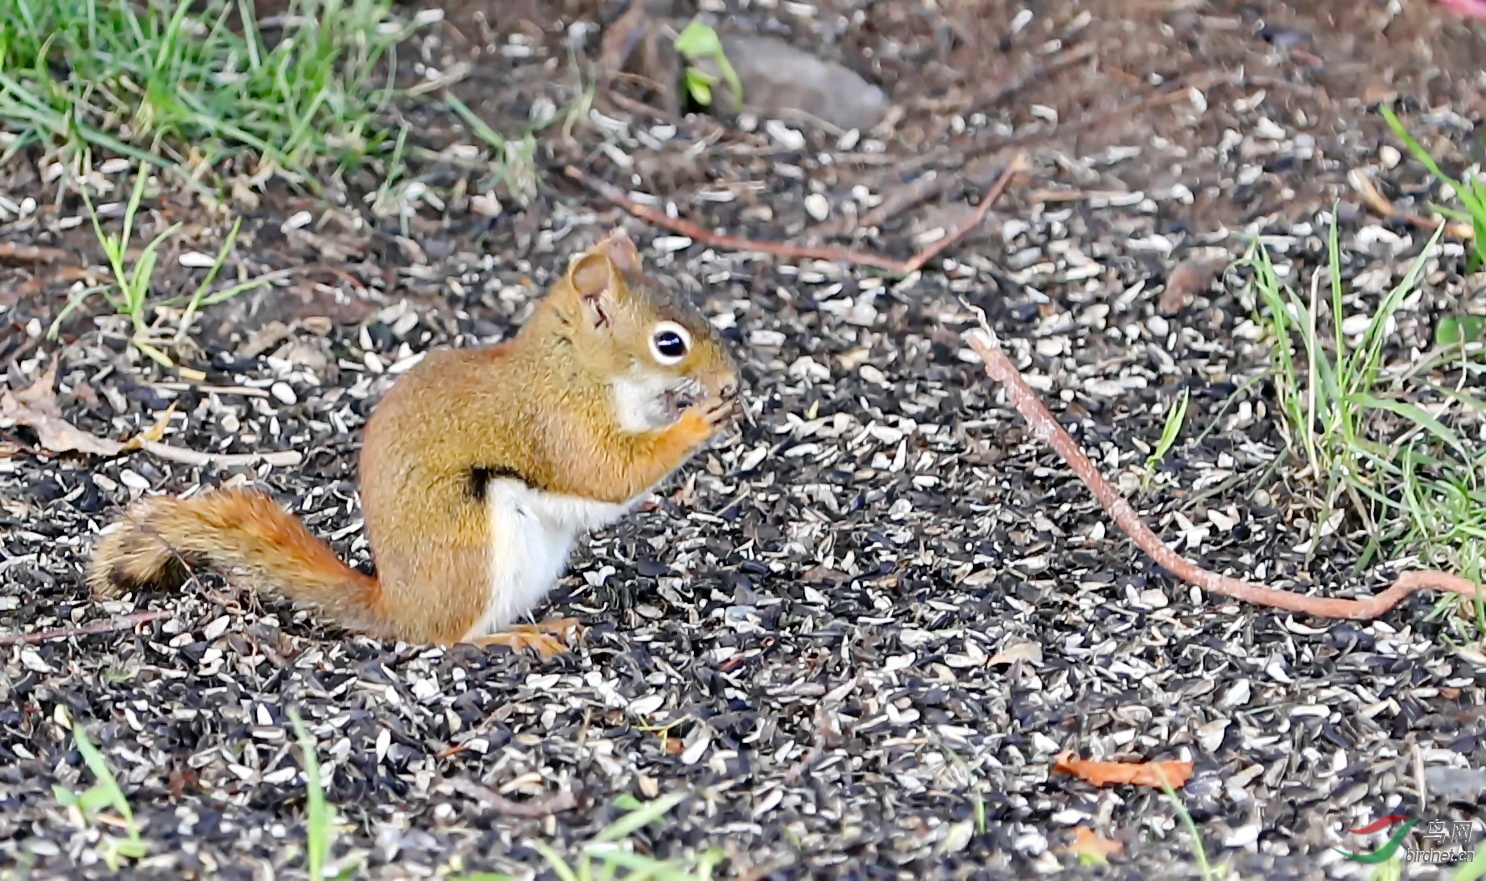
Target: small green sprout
x: 1174, y: 419
x: 105, y: 793
x: 696, y: 42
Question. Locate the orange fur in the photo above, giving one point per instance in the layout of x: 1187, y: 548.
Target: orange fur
x: 241, y: 532
x: 541, y: 405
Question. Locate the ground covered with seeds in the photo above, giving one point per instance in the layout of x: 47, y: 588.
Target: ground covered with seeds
x: 857, y: 632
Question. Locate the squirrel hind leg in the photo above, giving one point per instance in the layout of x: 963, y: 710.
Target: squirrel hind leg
x: 134, y: 557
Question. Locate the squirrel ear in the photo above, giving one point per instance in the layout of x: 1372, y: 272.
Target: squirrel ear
x: 592, y: 277
x: 618, y: 247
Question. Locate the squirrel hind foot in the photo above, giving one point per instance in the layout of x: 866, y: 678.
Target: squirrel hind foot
x: 133, y: 557
x: 549, y: 637
x: 546, y: 646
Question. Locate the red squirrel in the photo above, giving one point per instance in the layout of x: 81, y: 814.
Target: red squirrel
x: 479, y: 469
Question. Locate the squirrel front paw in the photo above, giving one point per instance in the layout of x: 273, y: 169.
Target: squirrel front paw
x: 715, y: 406
x: 719, y: 413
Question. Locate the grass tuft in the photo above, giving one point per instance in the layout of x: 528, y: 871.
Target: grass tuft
x: 196, y: 83
x: 1377, y: 438
x: 130, y: 291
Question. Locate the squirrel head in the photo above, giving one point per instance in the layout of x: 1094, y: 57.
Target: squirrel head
x: 659, y: 353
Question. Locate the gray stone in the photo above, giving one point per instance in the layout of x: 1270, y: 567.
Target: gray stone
x: 780, y: 80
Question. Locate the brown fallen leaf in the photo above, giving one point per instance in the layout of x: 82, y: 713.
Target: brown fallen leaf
x: 1186, y: 281
x: 1171, y: 772
x: 36, y: 408
x: 1090, y: 846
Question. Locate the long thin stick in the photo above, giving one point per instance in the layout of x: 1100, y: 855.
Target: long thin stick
x: 790, y: 250
x: 1045, y: 428
x: 113, y: 625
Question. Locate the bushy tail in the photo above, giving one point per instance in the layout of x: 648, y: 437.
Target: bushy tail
x: 247, y: 537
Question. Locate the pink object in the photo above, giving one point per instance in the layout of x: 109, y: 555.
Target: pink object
x: 1472, y: 8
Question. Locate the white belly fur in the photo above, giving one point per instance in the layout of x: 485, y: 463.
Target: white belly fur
x: 532, y: 534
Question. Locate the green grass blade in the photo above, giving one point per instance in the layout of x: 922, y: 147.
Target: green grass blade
x: 555, y: 860
x: 99, y: 766
x: 1459, y: 397
x: 1369, y: 355
x: 318, y: 817
x: 1415, y: 414
x: 1473, y: 870
x: 1334, y: 263
x: 641, y: 817
x: 1175, y: 418
x: 199, y: 295
x: 477, y: 125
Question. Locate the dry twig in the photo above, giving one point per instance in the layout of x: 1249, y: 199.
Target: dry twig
x: 1039, y: 73
x: 1046, y: 429
x: 789, y: 250
x: 1382, y: 205
x: 112, y: 625
x: 276, y: 458
x: 37, y: 408
x: 23, y: 253
x: 537, y: 808
x: 929, y: 185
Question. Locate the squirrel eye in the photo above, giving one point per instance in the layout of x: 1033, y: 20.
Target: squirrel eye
x: 669, y: 342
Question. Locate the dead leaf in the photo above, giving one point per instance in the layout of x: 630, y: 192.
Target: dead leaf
x: 1173, y: 773
x: 1187, y: 280
x: 1091, y: 847
x: 87, y: 394
x: 36, y: 408
x: 1030, y: 652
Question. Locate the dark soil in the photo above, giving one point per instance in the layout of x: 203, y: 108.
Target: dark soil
x: 858, y: 632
